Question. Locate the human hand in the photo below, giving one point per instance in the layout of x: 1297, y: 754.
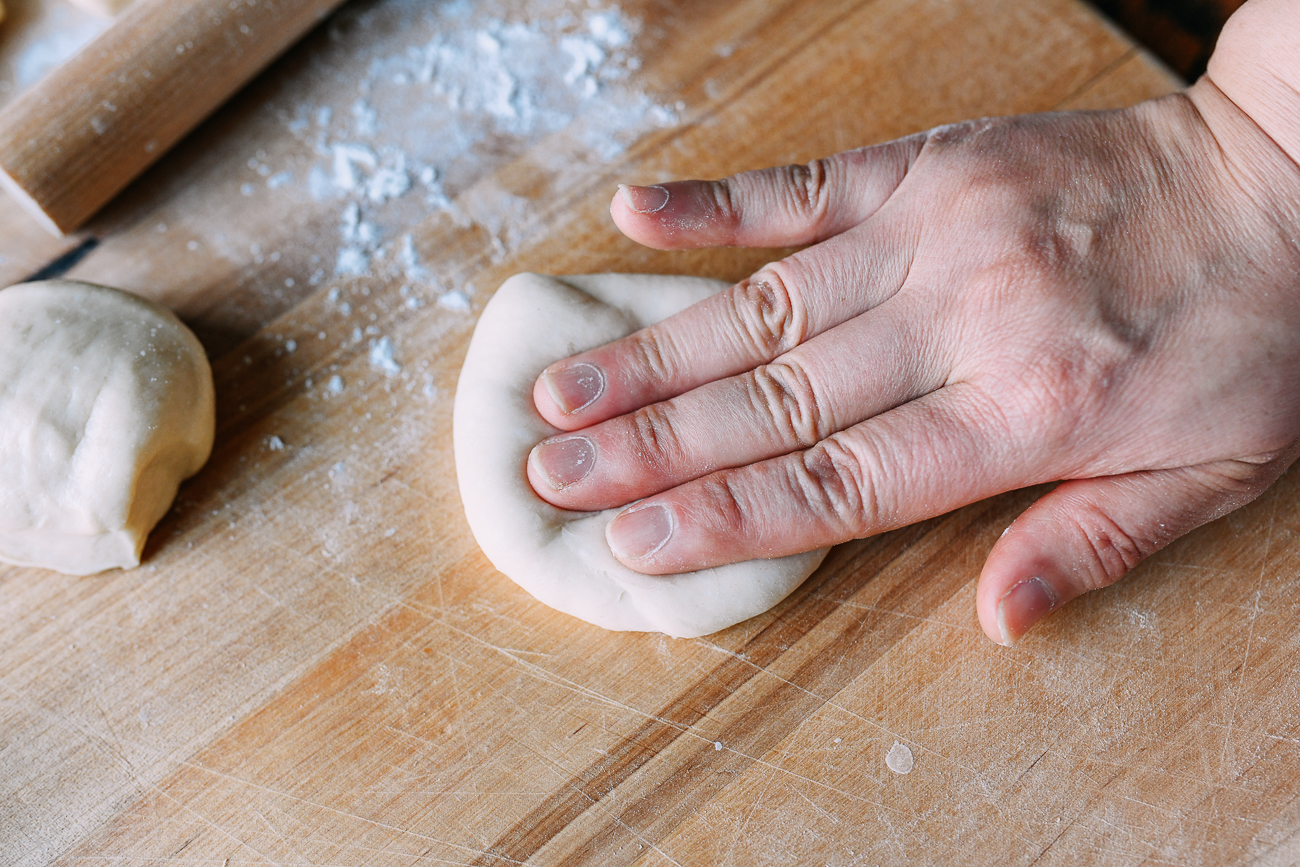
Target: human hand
x: 1110, y: 299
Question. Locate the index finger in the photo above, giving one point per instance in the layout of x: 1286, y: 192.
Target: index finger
x: 752, y: 323
x: 786, y: 206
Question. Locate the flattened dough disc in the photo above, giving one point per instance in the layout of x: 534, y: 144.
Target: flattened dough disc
x: 561, y: 557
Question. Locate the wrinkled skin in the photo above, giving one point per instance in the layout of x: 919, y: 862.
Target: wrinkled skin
x: 1109, y: 299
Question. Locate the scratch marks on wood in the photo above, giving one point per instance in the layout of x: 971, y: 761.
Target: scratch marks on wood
x: 743, y: 828
x: 1241, y: 676
x: 241, y: 783
x: 954, y: 627
x: 594, y: 802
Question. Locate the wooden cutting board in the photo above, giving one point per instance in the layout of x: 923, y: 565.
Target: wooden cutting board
x: 316, y: 665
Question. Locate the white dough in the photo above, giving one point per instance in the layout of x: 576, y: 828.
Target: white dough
x: 559, y: 556
x: 106, y: 404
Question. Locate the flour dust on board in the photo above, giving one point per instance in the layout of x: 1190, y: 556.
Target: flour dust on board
x: 411, y: 103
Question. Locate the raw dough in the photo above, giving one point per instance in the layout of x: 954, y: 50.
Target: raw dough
x: 561, y: 557
x: 106, y: 404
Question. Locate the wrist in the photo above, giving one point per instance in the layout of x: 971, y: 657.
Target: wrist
x: 1256, y: 65
x: 1249, y: 101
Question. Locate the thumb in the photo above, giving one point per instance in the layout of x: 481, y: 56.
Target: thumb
x: 1088, y: 533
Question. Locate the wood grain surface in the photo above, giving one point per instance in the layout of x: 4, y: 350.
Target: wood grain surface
x: 315, y: 664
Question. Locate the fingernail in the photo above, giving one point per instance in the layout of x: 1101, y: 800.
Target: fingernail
x: 565, y: 461
x: 644, y: 200
x: 640, y: 531
x: 1022, y: 606
x: 574, y: 386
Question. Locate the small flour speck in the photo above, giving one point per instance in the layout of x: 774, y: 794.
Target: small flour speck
x: 381, y: 356
x: 454, y: 300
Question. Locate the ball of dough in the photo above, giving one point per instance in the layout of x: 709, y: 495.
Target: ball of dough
x: 106, y: 404
x: 561, y: 557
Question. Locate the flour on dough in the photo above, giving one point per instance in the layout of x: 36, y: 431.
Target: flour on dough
x: 106, y: 404
x: 559, y: 556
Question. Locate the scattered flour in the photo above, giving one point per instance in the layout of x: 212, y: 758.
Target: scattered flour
x: 354, y: 261
x: 454, y: 300
x: 381, y: 356
x: 409, y: 259
x: 423, y: 98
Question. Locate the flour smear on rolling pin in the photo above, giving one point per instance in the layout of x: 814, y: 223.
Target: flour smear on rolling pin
x: 411, y: 102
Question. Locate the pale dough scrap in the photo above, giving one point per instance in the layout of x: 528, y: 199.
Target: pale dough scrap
x: 106, y: 404
x: 559, y: 556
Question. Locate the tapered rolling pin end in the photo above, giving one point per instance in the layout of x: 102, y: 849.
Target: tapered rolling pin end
x: 30, y: 205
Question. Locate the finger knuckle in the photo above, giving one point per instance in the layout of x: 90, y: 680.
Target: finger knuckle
x: 1042, y: 235
x: 768, y: 314
x: 1049, y: 396
x: 654, y: 439
x: 651, y: 356
x: 1113, y: 551
x: 1054, y: 399
x: 783, y: 394
x: 807, y: 185
x: 835, y: 484
x: 723, y: 498
x: 727, y: 208
x: 961, y: 132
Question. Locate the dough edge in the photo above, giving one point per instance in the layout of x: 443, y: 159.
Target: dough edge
x: 561, y: 557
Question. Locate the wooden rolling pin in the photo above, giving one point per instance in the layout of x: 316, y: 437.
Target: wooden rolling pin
x: 72, y: 142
